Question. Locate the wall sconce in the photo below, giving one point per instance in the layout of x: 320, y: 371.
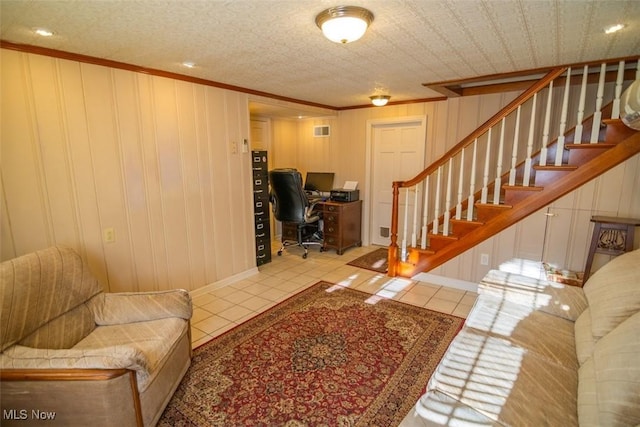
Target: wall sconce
x: 379, y: 100
x: 344, y: 24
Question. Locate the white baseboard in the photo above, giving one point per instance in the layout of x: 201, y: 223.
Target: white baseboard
x: 224, y: 282
x: 447, y: 282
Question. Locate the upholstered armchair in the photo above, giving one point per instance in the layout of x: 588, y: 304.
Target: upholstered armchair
x: 81, y: 356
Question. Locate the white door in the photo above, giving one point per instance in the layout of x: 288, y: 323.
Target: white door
x: 398, y: 150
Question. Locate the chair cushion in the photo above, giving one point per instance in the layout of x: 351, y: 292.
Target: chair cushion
x: 154, y: 339
x: 37, y: 288
x: 613, y: 293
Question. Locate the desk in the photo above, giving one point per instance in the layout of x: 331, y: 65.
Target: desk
x: 342, y: 225
x: 611, y: 236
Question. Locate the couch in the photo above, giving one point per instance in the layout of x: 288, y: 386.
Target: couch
x: 74, y: 355
x: 539, y: 353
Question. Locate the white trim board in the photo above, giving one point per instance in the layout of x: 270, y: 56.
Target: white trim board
x: 447, y: 282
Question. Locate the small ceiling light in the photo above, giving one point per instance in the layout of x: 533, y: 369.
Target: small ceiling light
x: 344, y: 24
x: 614, y: 28
x: 188, y: 64
x: 379, y: 100
x: 43, y: 32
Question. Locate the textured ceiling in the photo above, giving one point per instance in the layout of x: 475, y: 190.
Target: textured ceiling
x: 274, y: 46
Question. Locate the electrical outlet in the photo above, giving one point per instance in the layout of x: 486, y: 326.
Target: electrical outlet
x: 234, y: 147
x: 484, y: 259
x: 109, y: 235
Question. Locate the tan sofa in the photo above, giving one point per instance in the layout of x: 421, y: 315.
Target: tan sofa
x: 76, y: 356
x: 539, y: 353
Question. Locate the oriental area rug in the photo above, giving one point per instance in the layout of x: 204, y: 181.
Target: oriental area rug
x: 376, y: 261
x: 328, y: 356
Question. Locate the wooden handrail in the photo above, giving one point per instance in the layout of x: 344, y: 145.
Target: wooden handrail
x: 511, y: 107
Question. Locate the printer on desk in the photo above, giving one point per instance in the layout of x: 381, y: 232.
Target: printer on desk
x: 344, y: 195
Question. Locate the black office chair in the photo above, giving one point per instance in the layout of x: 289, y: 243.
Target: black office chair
x: 290, y: 204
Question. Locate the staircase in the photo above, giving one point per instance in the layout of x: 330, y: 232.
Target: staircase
x: 541, y: 165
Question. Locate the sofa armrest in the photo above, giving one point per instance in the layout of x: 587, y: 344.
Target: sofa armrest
x: 112, y: 357
x: 130, y: 307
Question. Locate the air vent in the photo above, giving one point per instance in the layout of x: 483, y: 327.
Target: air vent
x: 321, y: 131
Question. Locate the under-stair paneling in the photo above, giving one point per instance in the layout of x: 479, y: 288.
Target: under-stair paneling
x: 569, y: 227
x: 88, y: 149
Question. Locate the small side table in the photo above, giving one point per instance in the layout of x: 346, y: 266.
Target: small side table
x: 611, y: 236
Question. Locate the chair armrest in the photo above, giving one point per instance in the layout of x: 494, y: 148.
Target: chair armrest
x: 130, y: 307
x: 112, y: 357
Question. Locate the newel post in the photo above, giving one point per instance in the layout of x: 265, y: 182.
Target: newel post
x: 393, y: 246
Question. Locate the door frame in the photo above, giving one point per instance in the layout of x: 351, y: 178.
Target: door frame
x: 371, y: 125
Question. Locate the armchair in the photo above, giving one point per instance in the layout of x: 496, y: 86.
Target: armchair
x: 82, y: 356
x: 290, y: 204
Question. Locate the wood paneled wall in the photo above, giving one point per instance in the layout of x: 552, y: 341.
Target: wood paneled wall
x: 561, y: 239
x: 86, y: 148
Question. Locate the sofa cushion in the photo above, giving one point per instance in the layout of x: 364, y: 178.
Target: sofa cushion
x: 37, y: 288
x: 505, y: 382
x: 584, y: 338
x: 587, y: 395
x: 613, y: 293
x: 153, y: 339
x: 554, y: 298
x: 548, y: 336
x: 617, y: 368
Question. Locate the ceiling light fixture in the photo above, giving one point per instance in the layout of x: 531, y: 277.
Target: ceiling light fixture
x: 188, y: 64
x: 614, y: 28
x: 344, y: 24
x: 43, y: 32
x: 379, y: 100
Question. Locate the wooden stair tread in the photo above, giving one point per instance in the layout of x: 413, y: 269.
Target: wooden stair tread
x: 555, y: 168
x: 587, y: 145
x: 467, y: 222
x: 522, y: 188
x: 451, y: 236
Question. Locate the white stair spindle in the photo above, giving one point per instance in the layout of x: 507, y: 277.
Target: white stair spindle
x: 638, y: 70
x: 425, y: 215
x: 563, y: 120
x: 597, y: 115
x: 414, y: 232
x: 403, y: 253
x: 445, y: 225
x: 545, y: 131
x: 577, y: 139
x: 436, y: 213
x: 514, y: 152
x: 472, y: 182
x: 615, y: 111
x: 532, y: 125
x: 498, y: 182
x: 485, y: 174
x: 460, y: 180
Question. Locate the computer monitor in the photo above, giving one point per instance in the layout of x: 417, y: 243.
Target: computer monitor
x: 321, y: 182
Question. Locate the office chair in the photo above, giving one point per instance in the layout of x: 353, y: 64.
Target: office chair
x: 290, y: 204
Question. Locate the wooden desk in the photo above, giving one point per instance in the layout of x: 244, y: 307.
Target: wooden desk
x: 342, y: 225
x: 611, y: 236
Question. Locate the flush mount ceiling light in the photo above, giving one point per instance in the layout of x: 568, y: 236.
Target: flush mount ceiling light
x: 43, y: 32
x: 613, y: 28
x: 379, y: 100
x: 344, y: 24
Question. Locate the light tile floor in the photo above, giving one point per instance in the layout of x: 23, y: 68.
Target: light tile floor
x: 222, y: 309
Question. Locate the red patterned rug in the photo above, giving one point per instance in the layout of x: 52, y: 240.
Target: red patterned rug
x: 328, y: 356
x: 377, y: 260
